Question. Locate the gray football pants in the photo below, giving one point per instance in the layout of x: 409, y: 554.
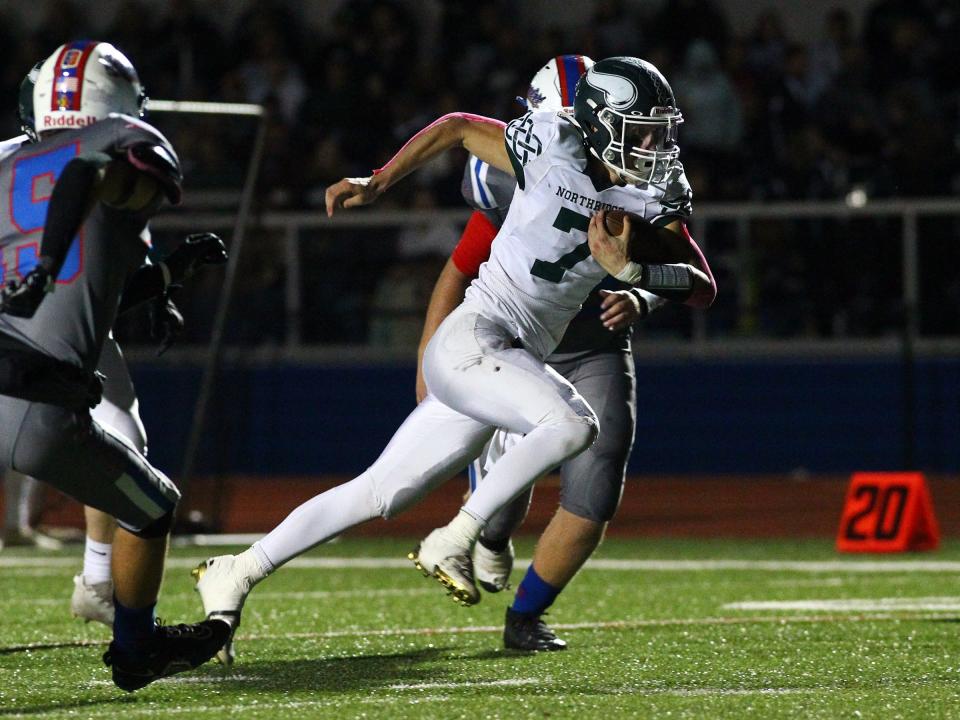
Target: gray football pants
x: 74, y: 454
x: 591, y: 483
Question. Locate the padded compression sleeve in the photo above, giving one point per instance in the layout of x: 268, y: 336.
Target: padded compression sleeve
x: 69, y: 204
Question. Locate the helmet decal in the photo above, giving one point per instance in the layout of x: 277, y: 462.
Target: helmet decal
x: 68, y: 75
x: 554, y: 86
x: 83, y: 82
x: 619, y: 92
x: 626, y: 112
x: 569, y: 70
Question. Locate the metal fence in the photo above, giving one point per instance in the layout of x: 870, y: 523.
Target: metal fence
x: 881, y: 238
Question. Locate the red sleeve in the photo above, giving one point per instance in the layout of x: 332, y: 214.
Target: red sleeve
x: 474, y: 246
x: 702, y: 297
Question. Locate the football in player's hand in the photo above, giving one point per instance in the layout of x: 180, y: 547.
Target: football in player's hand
x: 613, y: 220
x: 649, y: 244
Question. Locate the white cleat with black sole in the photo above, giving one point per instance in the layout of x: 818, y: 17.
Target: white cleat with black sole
x: 223, y: 589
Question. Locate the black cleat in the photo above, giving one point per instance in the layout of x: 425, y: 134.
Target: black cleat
x: 529, y: 632
x: 175, y: 649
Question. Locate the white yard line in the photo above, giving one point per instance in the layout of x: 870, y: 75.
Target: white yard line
x: 509, y: 682
x: 863, y: 605
x: 380, y: 563
x: 291, y: 595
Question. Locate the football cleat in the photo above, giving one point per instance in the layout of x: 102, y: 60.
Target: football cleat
x: 529, y: 632
x: 449, y: 564
x: 92, y: 601
x: 492, y: 569
x: 174, y: 649
x: 223, y: 591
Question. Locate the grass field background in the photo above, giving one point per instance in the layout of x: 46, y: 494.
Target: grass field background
x: 656, y: 628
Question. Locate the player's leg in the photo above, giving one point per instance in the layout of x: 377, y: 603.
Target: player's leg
x: 471, y: 365
x: 68, y: 450
x: 24, y: 499
x: 592, y: 484
x: 433, y: 444
x: 92, y: 597
x: 493, y: 554
x: 118, y: 411
x: 12, y: 488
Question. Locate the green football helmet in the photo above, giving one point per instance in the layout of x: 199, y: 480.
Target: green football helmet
x: 628, y: 116
x: 25, y: 112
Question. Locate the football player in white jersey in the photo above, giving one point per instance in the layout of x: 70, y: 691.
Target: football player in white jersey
x: 595, y: 355
x: 484, y: 367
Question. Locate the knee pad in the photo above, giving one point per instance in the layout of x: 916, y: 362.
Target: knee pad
x: 158, y: 528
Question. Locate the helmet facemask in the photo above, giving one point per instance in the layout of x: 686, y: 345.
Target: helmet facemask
x: 641, y: 149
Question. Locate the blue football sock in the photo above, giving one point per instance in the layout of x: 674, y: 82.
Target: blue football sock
x: 133, y: 628
x: 534, y: 594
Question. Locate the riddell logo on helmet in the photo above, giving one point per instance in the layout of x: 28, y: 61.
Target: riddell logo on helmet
x: 65, y: 120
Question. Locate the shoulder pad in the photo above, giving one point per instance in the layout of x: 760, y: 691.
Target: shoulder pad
x: 676, y: 201
x: 146, y: 149
x: 485, y: 187
x: 160, y: 162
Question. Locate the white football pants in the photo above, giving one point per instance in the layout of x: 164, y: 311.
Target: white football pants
x: 477, y: 383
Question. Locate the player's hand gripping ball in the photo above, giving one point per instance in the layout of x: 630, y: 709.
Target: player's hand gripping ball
x: 613, y: 221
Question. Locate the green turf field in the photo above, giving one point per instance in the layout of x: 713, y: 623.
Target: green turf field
x: 656, y: 628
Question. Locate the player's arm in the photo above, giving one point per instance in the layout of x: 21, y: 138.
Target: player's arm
x: 135, y: 181
x: 675, y: 269
x: 482, y: 136
x: 73, y: 196
x: 446, y: 296
x: 461, y: 268
x: 156, y: 279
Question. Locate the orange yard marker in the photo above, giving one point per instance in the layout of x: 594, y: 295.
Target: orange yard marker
x: 888, y: 512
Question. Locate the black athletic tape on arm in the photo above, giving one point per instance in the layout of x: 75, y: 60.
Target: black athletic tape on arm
x: 156, y: 161
x: 69, y: 204
x: 673, y: 282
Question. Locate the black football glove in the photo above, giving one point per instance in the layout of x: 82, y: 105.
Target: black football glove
x: 21, y: 298
x: 196, y: 250
x: 166, y: 322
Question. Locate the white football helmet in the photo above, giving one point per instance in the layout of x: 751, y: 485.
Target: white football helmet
x: 555, y: 84
x: 83, y: 82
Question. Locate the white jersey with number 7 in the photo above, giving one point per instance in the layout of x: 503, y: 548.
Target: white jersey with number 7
x: 540, y: 268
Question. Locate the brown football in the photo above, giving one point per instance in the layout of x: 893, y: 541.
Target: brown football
x: 613, y: 221
x: 649, y: 244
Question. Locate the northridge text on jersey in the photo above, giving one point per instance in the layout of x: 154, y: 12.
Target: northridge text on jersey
x: 584, y: 201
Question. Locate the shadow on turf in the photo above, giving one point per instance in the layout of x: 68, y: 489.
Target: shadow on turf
x: 33, y: 647
x: 66, y: 706
x: 357, y: 672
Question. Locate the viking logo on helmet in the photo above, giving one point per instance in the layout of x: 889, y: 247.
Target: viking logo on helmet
x: 627, y: 114
x: 619, y: 92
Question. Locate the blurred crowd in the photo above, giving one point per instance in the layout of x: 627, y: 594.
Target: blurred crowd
x: 871, y: 104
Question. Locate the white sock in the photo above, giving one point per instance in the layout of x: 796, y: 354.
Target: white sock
x: 465, y: 528
x: 96, y: 561
x: 254, y: 564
